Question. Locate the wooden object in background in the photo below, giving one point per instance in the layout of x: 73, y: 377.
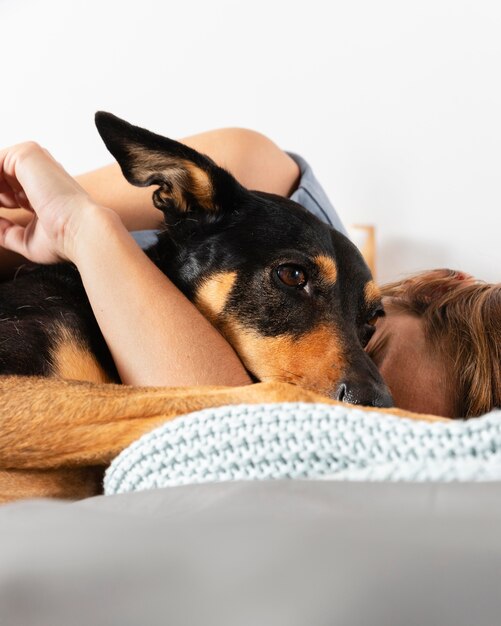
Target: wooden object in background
x: 364, y: 237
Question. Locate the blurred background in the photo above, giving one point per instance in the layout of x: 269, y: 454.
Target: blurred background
x: 396, y: 104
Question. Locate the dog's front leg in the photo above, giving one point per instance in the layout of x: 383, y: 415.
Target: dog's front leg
x: 57, y: 437
x: 48, y: 423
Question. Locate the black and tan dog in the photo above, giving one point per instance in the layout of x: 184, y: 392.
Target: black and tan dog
x: 293, y: 296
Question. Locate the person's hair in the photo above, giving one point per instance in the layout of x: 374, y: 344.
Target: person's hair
x: 462, y: 320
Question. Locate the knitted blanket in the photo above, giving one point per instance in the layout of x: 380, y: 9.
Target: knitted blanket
x: 300, y: 440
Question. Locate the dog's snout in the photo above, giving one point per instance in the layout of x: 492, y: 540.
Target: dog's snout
x: 366, y: 393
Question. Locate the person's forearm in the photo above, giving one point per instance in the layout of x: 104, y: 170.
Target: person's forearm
x: 159, y: 337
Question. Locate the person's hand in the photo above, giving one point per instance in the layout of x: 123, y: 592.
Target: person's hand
x: 31, y: 178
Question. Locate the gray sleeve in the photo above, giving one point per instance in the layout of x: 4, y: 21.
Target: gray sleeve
x: 311, y: 195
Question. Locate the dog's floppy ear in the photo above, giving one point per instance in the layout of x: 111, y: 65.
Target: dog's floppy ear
x: 188, y: 181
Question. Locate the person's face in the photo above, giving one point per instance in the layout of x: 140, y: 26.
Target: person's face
x: 415, y: 374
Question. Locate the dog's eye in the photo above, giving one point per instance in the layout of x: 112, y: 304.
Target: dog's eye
x: 370, y: 326
x: 372, y: 320
x: 367, y: 334
x: 292, y: 276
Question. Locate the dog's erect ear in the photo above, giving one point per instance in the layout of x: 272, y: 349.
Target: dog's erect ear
x: 188, y: 180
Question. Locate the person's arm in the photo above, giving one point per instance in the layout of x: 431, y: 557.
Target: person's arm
x: 155, y: 334
x: 254, y: 160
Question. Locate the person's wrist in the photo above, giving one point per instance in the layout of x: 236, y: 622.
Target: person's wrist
x: 95, y: 224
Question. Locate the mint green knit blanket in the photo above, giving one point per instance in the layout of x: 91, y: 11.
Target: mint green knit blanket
x: 301, y: 440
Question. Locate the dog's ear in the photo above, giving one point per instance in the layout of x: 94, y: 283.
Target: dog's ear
x: 188, y: 181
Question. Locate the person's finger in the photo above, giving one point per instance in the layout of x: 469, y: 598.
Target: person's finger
x: 6, y: 191
x: 9, y: 174
x: 9, y: 185
x: 22, y: 200
x: 12, y: 236
x: 7, y: 200
x: 33, y: 170
x: 22, y: 164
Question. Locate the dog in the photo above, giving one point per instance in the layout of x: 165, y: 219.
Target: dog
x: 293, y: 297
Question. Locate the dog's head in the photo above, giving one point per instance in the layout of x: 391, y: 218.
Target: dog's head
x: 293, y: 296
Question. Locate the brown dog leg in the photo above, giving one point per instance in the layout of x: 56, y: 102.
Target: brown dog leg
x: 57, y: 437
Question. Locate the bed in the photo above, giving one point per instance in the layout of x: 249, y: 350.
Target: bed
x: 285, y: 552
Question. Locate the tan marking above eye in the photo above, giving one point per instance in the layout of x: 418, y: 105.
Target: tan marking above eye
x: 315, y: 360
x: 372, y: 293
x: 213, y: 293
x: 72, y: 360
x: 327, y: 267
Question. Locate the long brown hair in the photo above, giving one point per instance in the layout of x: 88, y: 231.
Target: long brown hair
x: 462, y: 319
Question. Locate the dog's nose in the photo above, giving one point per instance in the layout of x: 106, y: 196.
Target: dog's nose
x: 366, y: 394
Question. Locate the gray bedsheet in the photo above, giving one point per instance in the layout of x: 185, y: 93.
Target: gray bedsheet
x: 257, y: 553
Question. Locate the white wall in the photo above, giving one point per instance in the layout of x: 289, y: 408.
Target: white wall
x: 395, y: 103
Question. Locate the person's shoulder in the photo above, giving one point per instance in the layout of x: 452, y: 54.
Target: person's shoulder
x: 260, y: 164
